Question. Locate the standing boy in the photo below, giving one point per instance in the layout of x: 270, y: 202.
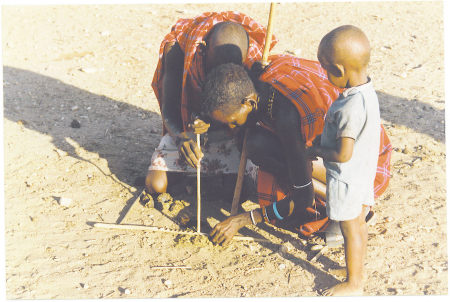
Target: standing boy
x: 349, y: 146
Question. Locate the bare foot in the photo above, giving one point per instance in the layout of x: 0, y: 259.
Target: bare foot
x: 344, y: 289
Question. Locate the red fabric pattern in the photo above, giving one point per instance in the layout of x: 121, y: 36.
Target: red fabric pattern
x: 190, y: 33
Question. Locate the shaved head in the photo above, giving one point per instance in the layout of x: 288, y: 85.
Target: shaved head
x: 226, y: 43
x: 346, y: 45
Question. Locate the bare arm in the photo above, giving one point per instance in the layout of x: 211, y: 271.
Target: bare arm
x: 287, y: 126
x: 171, y: 103
x: 171, y: 90
x: 341, y: 154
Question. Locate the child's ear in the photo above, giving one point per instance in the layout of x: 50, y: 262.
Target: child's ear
x: 337, y: 70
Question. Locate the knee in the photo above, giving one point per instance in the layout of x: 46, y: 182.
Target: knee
x: 156, y: 181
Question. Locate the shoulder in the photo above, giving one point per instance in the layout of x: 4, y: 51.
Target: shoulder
x: 350, y: 103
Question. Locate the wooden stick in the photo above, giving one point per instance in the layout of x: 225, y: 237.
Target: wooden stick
x: 320, y: 253
x: 198, y: 189
x: 137, y: 227
x: 243, y: 161
x: 240, y: 176
x: 268, y: 40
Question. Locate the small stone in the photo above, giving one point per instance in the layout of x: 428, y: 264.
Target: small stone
x: 127, y: 291
x: 88, y: 69
x: 168, y: 283
x: 403, y: 75
x: 164, y: 197
x: 74, y: 108
x: 405, y: 150
x: 105, y: 33
x: 409, y: 238
x: 147, y: 201
x: 153, y: 130
x: 75, y: 124
x: 63, y: 201
x: 388, y: 219
x: 283, y: 250
x: 316, y: 247
x: 84, y: 285
x: 282, y: 266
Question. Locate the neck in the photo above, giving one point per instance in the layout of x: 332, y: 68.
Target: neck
x: 357, y: 79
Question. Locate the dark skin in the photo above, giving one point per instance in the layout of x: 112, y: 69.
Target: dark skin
x: 289, y: 148
x: 228, y: 38
x: 344, y: 53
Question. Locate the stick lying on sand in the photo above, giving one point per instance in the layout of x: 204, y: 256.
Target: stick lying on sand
x: 138, y: 227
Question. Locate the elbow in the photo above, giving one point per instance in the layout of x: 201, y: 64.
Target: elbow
x: 344, y: 157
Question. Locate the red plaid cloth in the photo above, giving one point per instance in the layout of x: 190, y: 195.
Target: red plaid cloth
x: 190, y: 33
x: 305, y: 83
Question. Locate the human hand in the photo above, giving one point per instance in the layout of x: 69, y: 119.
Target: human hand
x: 189, y: 150
x: 199, y: 126
x: 224, y: 231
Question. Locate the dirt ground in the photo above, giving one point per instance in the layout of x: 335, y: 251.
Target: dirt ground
x: 94, y: 64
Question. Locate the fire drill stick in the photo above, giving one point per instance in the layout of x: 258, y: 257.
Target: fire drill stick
x: 198, y: 189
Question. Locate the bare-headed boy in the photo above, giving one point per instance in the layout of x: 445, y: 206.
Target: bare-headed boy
x: 349, y: 145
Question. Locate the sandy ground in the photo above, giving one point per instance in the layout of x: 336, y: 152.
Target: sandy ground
x: 94, y: 64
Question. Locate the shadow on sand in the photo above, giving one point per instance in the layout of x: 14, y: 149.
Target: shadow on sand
x: 120, y: 133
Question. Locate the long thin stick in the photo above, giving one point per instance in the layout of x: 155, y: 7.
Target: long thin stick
x: 268, y: 40
x: 240, y: 176
x: 320, y: 253
x: 243, y: 161
x: 198, y: 189
x: 137, y: 227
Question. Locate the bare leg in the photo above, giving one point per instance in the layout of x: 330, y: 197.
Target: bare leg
x: 158, y: 181
x: 319, y: 171
x: 355, y: 245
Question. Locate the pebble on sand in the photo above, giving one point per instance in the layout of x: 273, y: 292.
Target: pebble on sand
x: 64, y: 201
x: 84, y: 285
x: 75, y: 124
x: 316, y: 247
x: 88, y: 69
x: 167, y: 283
